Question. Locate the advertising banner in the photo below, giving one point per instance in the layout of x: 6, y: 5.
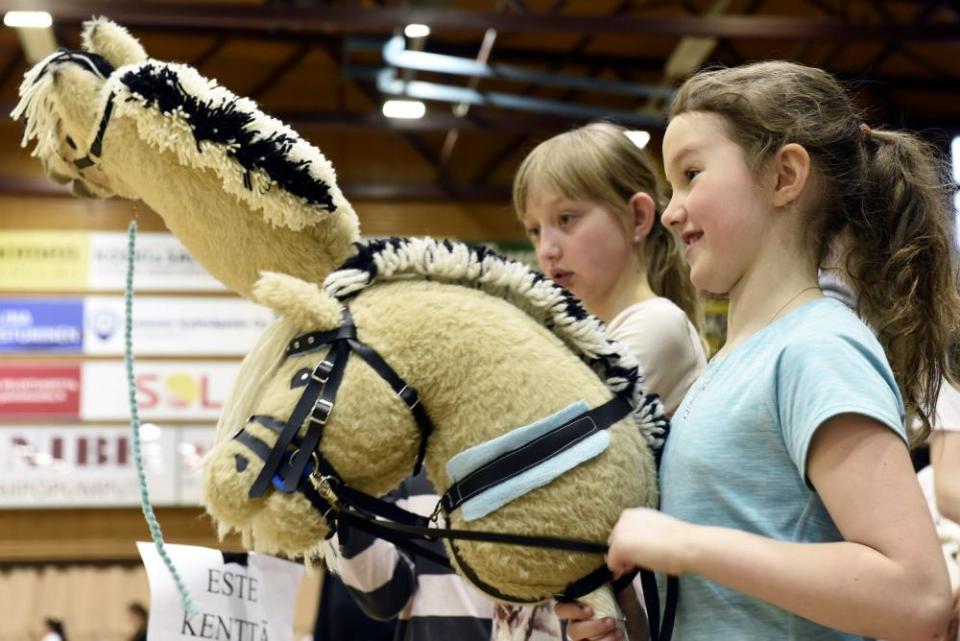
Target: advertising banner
x: 85, y: 466
x: 174, y: 326
x: 194, y: 443
x: 161, y: 263
x: 166, y: 390
x: 39, y: 390
x: 42, y: 261
x: 41, y: 325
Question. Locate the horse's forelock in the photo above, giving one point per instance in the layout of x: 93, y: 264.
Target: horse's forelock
x: 258, y: 368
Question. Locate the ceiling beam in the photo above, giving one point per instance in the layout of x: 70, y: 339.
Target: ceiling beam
x: 39, y: 187
x: 435, y: 120
x: 218, y: 43
x: 279, y: 70
x: 338, y: 19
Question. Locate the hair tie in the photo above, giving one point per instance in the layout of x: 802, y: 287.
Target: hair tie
x: 865, y: 129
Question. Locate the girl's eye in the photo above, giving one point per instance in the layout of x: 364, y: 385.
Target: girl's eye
x: 690, y: 174
x: 566, y: 219
x: 533, y: 232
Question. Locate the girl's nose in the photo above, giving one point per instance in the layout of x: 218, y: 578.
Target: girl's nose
x: 548, y: 249
x: 674, y: 214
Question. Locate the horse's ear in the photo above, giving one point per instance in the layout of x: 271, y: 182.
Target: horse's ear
x: 297, y: 300
x: 113, y: 42
x: 78, y: 93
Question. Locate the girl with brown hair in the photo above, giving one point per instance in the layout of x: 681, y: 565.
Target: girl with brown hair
x: 789, y: 504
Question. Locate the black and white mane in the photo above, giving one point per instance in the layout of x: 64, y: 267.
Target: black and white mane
x: 477, y: 267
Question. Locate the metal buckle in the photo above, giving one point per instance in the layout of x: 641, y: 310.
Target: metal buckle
x: 323, y: 483
x: 321, y: 375
x: 411, y: 392
x: 435, y: 516
x: 321, y: 411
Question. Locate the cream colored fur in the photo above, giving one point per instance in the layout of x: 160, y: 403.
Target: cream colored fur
x: 113, y: 42
x: 478, y: 379
x: 482, y: 365
x: 235, y: 232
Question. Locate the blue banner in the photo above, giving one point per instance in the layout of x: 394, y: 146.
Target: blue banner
x: 41, y: 325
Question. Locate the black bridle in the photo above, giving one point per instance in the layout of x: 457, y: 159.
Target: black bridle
x: 288, y: 471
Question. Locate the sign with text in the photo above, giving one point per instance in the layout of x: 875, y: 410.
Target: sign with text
x: 166, y: 390
x: 41, y: 325
x: 42, y: 261
x: 39, y: 390
x: 172, y: 326
x: 241, y: 597
x: 85, y: 466
x: 161, y: 262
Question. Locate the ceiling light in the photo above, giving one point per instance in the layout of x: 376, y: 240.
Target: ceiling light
x: 639, y: 137
x: 28, y: 19
x: 416, y: 31
x: 410, y: 109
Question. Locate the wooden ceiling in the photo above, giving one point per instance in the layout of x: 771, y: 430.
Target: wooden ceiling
x: 314, y: 64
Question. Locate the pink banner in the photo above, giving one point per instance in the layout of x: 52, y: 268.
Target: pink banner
x: 40, y: 390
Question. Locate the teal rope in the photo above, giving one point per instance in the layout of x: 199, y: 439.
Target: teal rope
x: 148, y: 514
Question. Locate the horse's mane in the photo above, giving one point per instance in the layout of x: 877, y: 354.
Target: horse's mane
x: 258, y: 158
x: 477, y: 267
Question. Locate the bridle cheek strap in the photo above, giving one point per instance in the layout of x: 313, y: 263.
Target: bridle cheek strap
x: 317, y: 401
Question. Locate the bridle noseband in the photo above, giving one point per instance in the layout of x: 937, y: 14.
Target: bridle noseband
x: 289, y: 470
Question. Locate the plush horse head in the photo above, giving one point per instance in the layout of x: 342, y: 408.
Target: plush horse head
x: 240, y: 189
x: 490, y: 347
x: 412, y: 349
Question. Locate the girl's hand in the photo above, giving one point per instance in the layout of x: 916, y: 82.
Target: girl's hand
x: 650, y: 539
x: 581, y: 626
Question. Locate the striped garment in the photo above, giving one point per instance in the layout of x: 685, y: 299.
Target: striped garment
x: 431, y: 602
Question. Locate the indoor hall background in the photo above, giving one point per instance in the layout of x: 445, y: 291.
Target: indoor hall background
x: 505, y: 74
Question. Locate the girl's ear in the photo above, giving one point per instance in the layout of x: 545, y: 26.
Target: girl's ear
x: 791, y: 172
x: 644, y: 215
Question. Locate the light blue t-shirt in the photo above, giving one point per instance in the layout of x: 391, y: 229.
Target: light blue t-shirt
x: 737, y: 450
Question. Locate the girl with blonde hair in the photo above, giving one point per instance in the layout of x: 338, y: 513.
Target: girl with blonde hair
x: 591, y: 201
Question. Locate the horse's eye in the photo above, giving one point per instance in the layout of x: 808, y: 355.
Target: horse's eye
x: 301, y: 378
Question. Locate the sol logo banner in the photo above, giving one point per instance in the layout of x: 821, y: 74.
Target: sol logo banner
x: 166, y: 390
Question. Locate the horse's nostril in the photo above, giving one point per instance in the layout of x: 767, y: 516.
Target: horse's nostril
x: 70, y: 142
x: 242, y: 463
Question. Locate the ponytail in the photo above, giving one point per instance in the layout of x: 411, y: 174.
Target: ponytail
x: 901, y: 261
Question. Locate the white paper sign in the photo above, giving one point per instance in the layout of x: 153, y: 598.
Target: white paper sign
x: 252, y: 602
